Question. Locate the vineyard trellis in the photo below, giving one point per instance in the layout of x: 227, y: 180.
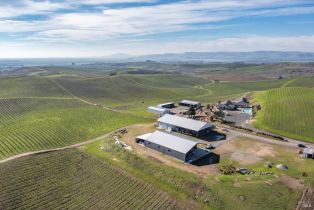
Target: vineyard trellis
x: 287, y: 111
x: 71, y: 179
x: 29, y: 124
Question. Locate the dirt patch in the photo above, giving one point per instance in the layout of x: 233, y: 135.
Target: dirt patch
x: 247, y: 152
x: 244, y: 157
x: 226, y: 148
x: 236, y: 184
x: 154, y: 159
x: 263, y: 150
x: 290, y: 182
x: 269, y: 182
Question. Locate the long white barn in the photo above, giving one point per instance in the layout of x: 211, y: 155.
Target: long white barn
x: 166, y: 143
x: 184, y: 125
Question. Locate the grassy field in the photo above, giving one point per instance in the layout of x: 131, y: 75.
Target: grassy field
x: 37, y: 124
x: 281, y: 191
x: 224, y: 90
x: 302, y: 82
x: 29, y: 87
x: 37, y: 114
x: 166, y: 81
x: 287, y: 111
x: 121, y: 89
x: 133, y: 93
x: 73, y: 180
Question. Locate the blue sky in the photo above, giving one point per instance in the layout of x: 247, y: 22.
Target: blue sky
x: 85, y: 28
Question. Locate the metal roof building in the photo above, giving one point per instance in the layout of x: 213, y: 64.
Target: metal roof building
x: 184, y: 125
x: 158, y: 111
x: 165, y: 143
x: 308, y: 153
x: 168, y: 105
x: 194, y: 104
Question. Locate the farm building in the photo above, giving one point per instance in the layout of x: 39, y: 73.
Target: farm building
x: 158, y: 111
x: 169, y: 105
x: 233, y: 105
x: 184, y: 125
x: 242, y: 104
x: 180, y: 148
x: 308, y: 153
x: 227, y: 105
x: 189, y: 103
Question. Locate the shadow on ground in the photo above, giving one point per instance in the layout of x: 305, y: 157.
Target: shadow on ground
x: 209, y: 159
x: 214, y: 136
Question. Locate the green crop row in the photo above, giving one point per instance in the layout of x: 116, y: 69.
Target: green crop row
x: 37, y: 124
x: 73, y: 180
x: 288, y: 112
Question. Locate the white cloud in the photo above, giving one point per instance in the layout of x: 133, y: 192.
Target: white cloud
x: 235, y: 44
x: 109, y: 30
x: 99, y: 2
x: 139, y: 21
x: 29, y: 7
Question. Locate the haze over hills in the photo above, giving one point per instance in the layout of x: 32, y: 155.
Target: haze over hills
x: 257, y: 56
x: 206, y: 57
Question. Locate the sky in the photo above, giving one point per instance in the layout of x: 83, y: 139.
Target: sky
x: 89, y: 28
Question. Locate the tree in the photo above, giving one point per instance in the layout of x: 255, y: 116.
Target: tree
x: 218, y: 114
x: 191, y: 111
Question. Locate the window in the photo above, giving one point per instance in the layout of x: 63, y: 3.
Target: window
x: 169, y: 150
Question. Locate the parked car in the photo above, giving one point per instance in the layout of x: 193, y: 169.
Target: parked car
x: 210, y: 146
x: 301, y: 145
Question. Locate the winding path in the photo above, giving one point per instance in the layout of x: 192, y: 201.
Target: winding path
x: 55, y: 149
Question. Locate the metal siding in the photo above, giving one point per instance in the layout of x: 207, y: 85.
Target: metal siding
x: 165, y: 150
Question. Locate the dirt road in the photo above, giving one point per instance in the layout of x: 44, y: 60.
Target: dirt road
x: 288, y: 143
x: 54, y: 149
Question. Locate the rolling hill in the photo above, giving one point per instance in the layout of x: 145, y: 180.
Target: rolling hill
x: 287, y: 111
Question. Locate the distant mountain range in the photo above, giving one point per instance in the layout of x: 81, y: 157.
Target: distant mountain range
x: 250, y: 57
x: 187, y: 57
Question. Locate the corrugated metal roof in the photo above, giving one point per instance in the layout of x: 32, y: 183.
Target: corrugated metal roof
x: 157, y: 109
x: 309, y: 151
x: 183, y: 122
x: 189, y: 102
x: 144, y: 136
x: 169, y: 141
x: 165, y: 104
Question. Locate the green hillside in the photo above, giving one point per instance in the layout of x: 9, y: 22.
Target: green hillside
x: 36, y: 124
x: 73, y: 180
x: 229, y: 90
x: 302, y: 82
x: 287, y: 111
x: 29, y: 87
x: 120, y: 89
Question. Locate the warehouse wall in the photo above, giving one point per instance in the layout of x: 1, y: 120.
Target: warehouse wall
x: 165, y: 150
